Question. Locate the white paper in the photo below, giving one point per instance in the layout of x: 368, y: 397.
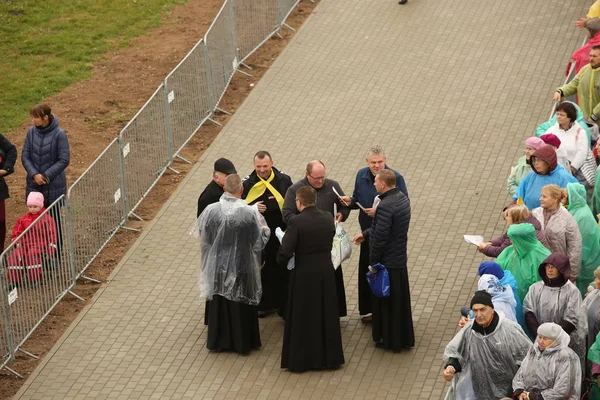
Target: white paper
x: 474, y: 239
x: 12, y: 296
x: 376, y: 201
x: 279, y: 234
x: 360, y: 205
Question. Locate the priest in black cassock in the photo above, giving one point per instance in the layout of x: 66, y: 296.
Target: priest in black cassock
x: 316, y: 177
x: 213, y: 191
x: 312, y: 336
x: 232, y: 236
x: 266, y: 187
x: 211, y: 194
x: 388, y: 236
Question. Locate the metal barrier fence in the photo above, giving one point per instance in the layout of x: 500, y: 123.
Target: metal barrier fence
x: 37, y: 271
x: 43, y: 263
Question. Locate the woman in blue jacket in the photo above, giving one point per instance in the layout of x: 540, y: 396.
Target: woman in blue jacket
x: 45, y: 155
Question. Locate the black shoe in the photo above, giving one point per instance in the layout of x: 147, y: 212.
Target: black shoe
x: 379, y: 345
x: 402, y: 1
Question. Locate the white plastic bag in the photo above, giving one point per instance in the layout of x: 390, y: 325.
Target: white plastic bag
x: 342, y: 247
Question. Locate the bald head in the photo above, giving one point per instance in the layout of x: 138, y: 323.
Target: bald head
x: 316, y: 173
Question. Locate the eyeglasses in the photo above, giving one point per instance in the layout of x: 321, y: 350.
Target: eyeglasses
x: 320, y: 178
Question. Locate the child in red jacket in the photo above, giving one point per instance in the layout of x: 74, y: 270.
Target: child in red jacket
x: 39, y: 241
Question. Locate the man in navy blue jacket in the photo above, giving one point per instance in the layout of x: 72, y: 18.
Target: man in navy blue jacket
x: 364, y: 194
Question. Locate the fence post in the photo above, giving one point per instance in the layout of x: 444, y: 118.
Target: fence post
x: 123, y: 151
x: 7, y: 320
x: 234, y: 31
x: 169, y: 128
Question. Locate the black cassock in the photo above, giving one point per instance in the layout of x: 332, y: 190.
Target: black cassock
x: 231, y: 243
x: 312, y: 336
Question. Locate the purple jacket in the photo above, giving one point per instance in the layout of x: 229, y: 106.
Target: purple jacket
x: 501, y: 242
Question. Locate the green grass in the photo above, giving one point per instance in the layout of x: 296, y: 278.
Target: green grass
x: 46, y: 45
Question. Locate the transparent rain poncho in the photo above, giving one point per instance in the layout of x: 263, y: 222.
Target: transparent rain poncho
x: 555, y: 304
x: 502, y: 295
x: 556, y: 371
x: 232, y: 236
x: 592, y: 304
x: 523, y: 257
x: 488, y: 363
x: 590, y: 234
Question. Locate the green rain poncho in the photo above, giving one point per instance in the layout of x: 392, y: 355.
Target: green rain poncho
x: 523, y: 257
x: 590, y: 234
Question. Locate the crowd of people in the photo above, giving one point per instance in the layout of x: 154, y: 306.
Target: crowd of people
x: 45, y: 156
x: 531, y: 330
x: 266, y: 249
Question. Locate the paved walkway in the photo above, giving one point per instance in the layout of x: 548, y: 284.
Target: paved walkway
x: 451, y: 89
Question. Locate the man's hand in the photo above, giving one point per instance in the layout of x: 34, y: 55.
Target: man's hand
x: 261, y: 207
x: 339, y: 217
x: 3, y: 172
x: 556, y: 96
x: 346, y: 200
x: 370, y: 211
x: 358, y: 238
x: 580, y: 23
x: 39, y: 179
x: 448, y: 373
x: 463, y: 321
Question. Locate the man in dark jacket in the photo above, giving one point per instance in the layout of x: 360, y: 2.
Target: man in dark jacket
x: 363, y: 197
x: 8, y: 157
x: 266, y: 188
x: 214, y: 190
x: 46, y: 155
x: 388, y: 235
x: 326, y: 199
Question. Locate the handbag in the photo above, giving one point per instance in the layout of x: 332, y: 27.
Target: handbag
x: 342, y: 248
x: 587, y: 170
x: 379, y: 281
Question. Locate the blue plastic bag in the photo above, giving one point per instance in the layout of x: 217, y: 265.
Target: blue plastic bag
x: 379, y: 281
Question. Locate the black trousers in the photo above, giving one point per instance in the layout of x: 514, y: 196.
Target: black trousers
x: 365, y: 302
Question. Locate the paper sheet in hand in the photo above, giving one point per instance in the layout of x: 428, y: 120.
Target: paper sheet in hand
x: 279, y: 233
x: 474, y: 239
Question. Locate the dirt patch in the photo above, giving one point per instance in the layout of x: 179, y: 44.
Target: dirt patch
x: 94, y: 111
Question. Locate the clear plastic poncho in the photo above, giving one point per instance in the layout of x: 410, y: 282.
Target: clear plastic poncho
x: 232, y: 236
x: 523, y: 257
x: 590, y: 234
x: 592, y: 304
x: 555, y: 371
x: 502, y: 295
x: 488, y: 363
x: 555, y: 304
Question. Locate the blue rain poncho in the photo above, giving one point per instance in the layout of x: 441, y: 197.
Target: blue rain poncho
x: 590, y: 234
x: 232, y: 236
x: 555, y: 372
x: 488, y: 363
x: 502, y: 296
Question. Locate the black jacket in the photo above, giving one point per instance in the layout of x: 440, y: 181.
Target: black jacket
x: 281, y: 182
x: 388, y: 234
x: 326, y: 198
x: 9, y: 158
x: 211, y: 194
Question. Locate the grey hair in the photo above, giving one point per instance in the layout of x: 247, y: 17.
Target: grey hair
x: 375, y: 151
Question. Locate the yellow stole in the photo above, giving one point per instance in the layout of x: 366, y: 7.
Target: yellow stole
x: 259, y: 188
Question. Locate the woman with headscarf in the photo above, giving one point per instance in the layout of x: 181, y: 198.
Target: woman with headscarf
x: 546, y: 171
x: 502, y: 295
x: 551, y: 370
x: 560, y: 227
x: 556, y: 299
x: 590, y: 234
x: 516, y: 214
x: 523, y: 257
x: 506, y: 278
x: 523, y: 167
